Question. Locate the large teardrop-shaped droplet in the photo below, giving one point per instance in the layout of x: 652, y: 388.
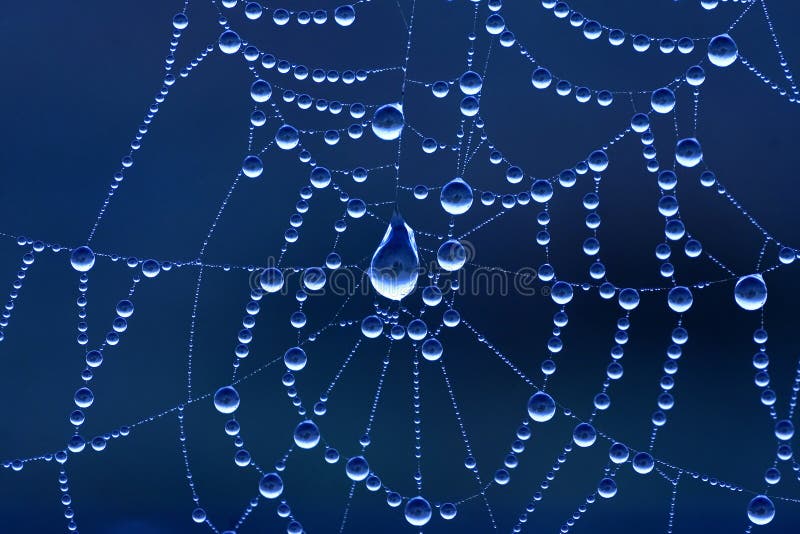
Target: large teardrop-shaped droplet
x: 395, y: 265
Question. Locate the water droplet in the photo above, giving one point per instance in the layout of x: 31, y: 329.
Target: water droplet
x: 270, y: 486
x: 229, y: 42
x: 418, y: 511
x: 541, y: 78
x: 448, y: 510
x: 372, y: 326
x: 394, y: 267
x: 271, y: 280
x: 320, y: 177
x: 643, y: 463
x: 260, y: 91
x: 82, y: 259
x: 287, y: 137
x: 722, y: 50
x: 680, y: 299
x: 561, y: 293
x: 357, y: 468
x: 306, y: 435
x: 314, y: 278
x: 84, y: 398
x: 417, y: 329
x: 344, y: 15
x: 252, y: 167
x: 688, y: 152
x: 151, y: 268
x: 180, y: 21
x: 607, y: 488
x: 584, y: 435
x: 541, y: 191
x: 470, y: 83
x: 751, y: 292
x: 541, y: 407
x: 784, y: 430
x: 226, y: 400
x: 618, y: 453
x: 451, y: 255
x: 432, y: 349
x: 760, y: 510
x: 124, y: 308
x: 662, y: 100
x: 295, y: 359
x: 388, y: 121
x: 199, y: 515
x: 628, y: 299
x: 456, y: 197
x: 253, y: 10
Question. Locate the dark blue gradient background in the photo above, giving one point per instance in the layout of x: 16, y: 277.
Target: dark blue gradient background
x: 77, y: 80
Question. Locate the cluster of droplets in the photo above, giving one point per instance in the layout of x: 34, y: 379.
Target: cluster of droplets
x: 343, y: 15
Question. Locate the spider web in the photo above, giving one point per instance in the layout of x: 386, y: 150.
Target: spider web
x: 448, y: 440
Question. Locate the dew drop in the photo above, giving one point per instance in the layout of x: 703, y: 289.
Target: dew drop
x: 418, y: 511
x: 760, y: 510
x: 722, y: 50
x: 456, y: 197
x: 226, y: 400
x: 750, y: 292
x: 394, y: 267
x: 306, y: 435
x: 688, y: 152
x: 388, y: 121
x: 270, y: 486
x: 82, y: 259
x: 451, y: 255
x: 541, y: 407
x: 230, y: 42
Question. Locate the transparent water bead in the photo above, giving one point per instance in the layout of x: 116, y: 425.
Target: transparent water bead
x: 229, y: 42
x: 418, y: 511
x: 541, y: 407
x: 470, y: 83
x: 226, y: 400
x: 357, y: 468
x: 295, y: 359
x: 722, y: 50
x: 271, y: 280
x: 688, y: 152
x: 260, y: 91
x: 680, y: 299
x: 151, y: 268
x: 662, y: 100
x: 306, y: 435
x: 314, y: 278
x: 287, y: 137
x: 456, y: 197
x: 451, y: 255
x: 180, y: 21
x: 388, y: 121
x: 584, y: 435
x: 344, y: 15
x: 252, y: 166
x: 394, y: 268
x: 751, y: 292
x: 270, y: 486
x: 82, y: 259
x: 760, y: 510
x: 607, y: 488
